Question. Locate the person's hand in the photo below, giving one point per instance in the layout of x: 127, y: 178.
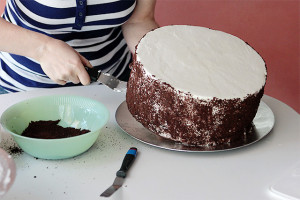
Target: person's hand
x: 62, y: 63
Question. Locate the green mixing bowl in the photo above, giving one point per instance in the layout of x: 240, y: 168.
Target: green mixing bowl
x: 73, y: 111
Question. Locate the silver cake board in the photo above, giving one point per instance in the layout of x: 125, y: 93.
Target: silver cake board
x: 262, y: 125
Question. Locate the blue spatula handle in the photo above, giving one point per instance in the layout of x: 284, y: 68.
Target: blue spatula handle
x: 127, y: 162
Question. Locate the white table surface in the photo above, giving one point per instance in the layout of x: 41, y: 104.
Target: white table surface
x: 157, y: 174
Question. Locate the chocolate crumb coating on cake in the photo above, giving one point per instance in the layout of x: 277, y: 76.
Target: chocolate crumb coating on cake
x: 180, y: 117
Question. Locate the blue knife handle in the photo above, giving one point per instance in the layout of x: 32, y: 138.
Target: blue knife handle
x: 127, y: 162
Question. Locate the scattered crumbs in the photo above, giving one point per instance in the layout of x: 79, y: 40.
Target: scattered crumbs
x: 14, y: 150
x: 10, y: 146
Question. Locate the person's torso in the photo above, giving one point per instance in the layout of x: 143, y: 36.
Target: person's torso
x: 61, y: 16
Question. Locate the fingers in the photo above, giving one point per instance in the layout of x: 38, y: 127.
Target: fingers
x: 84, y: 77
x: 74, y: 79
x: 80, y: 77
x: 62, y: 64
x: 76, y: 72
x: 84, y: 61
x: 65, y: 75
x: 60, y: 82
x: 63, y: 82
x: 82, y: 74
x: 72, y: 76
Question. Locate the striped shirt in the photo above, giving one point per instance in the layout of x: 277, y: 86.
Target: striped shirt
x: 91, y: 27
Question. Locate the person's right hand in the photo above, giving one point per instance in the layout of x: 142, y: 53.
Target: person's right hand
x: 62, y: 63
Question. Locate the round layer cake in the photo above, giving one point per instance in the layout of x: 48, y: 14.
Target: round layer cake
x: 195, y: 85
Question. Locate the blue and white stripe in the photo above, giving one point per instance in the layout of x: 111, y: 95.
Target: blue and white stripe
x: 91, y: 27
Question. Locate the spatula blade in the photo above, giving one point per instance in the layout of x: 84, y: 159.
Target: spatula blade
x: 115, y: 186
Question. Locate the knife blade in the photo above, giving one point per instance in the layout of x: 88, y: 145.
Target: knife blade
x: 97, y: 76
x: 122, y: 172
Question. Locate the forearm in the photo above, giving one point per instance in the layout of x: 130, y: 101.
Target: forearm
x: 20, y: 41
x: 57, y: 59
x: 134, y: 31
x: 141, y: 22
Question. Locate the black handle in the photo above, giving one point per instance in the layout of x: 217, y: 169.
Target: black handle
x: 127, y: 162
x: 93, y: 73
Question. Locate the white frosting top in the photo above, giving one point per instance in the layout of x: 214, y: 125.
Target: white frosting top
x: 204, y: 62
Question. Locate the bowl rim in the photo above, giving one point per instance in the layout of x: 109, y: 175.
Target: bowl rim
x: 107, y: 114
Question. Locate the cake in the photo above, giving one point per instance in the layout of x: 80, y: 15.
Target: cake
x: 195, y: 85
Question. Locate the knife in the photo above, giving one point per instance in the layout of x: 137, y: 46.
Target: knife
x: 106, y: 79
x: 121, y: 174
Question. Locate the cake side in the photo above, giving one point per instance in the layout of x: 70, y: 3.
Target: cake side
x: 180, y: 117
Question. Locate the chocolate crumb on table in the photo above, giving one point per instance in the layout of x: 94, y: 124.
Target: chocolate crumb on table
x: 14, y: 150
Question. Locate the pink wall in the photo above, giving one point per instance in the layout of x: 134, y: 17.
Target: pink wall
x: 2, y: 4
x: 272, y: 27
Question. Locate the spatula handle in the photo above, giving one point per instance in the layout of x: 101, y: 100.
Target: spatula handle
x: 127, y: 162
x: 93, y: 73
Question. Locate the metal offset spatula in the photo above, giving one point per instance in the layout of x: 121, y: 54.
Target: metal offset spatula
x: 106, y: 79
x: 121, y: 174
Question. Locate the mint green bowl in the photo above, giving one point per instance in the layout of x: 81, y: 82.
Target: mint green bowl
x: 73, y: 111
